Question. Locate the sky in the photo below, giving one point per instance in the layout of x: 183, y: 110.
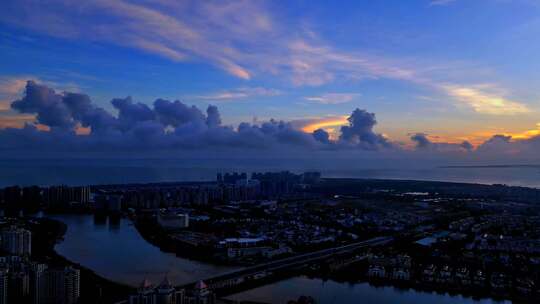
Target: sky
x: 433, y: 76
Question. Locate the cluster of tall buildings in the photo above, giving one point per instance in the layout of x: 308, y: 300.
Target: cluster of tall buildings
x: 269, y: 184
x: 25, y: 281
x: 61, y: 196
x: 229, y: 187
x: 165, y: 293
x: 15, y: 240
x: 16, y: 198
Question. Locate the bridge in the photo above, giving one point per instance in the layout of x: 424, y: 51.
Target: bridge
x: 260, y: 271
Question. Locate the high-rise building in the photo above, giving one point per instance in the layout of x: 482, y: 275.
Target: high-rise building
x: 63, y: 195
x: 3, y: 286
x: 37, y: 278
x: 17, y: 241
x: 60, y: 286
x: 19, y: 287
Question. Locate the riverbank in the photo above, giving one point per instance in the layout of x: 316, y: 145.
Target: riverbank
x: 46, y: 233
x: 160, y: 238
x: 357, y: 274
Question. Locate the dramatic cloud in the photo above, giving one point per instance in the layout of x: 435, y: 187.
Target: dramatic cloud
x: 423, y: 143
x: 421, y: 140
x: 49, y: 107
x: 166, y: 125
x: 360, y: 130
x: 321, y: 135
x: 11, y: 86
x: 327, y: 123
x: 72, y: 123
x: 245, y: 39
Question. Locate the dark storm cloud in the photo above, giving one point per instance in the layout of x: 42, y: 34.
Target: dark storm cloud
x: 321, y: 136
x: 423, y: 143
x: 176, y: 113
x: 360, y: 130
x: 467, y: 145
x: 213, y: 118
x: 165, y: 125
x: 421, y: 140
x: 48, y: 106
x: 173, y: 126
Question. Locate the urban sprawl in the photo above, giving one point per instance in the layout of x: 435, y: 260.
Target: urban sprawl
x: 476, y: 240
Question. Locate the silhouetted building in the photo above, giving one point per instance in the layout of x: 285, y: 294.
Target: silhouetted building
x: 60, y: 286
x: 17, y: 241
x: 200, y: 294
x: 61, y: 196
x: 3, y: 286
x: 164, y: 293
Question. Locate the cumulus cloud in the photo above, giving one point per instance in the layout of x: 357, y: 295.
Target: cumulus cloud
x: 321, y: 135
x: 165, y: 125
x: 174, y: 126
x: 421, y: 140
x: 48, y: 106
x: 360, y: 130
x: 423, y: 143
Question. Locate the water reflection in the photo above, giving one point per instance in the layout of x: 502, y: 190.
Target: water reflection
x: 114, y: 249
x: 330, y: 292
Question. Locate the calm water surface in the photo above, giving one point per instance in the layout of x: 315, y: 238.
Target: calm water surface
x: 116, y: 251
x: 106, y: 171
x: 330, y: 292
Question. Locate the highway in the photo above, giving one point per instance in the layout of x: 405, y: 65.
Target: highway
x: 239, y: 276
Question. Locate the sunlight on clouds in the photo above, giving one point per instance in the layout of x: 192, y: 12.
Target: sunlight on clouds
x: 485, y: 102
x: 526, y: 134
x: 327, y: 123
x: 12, y: 86
x: 16, y: 121
x: 4, y: 105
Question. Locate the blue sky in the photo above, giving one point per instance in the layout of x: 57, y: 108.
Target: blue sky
x: 455, y: 70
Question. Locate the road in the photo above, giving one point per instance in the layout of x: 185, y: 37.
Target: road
x: 239, y: 276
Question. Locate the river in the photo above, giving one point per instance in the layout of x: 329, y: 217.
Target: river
x: 116, y: 251
x: 331, y: 292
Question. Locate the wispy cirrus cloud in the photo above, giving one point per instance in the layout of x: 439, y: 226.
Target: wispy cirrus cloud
x: 484, y: 99
x: 243, y: 38
x: 333, y: 98
x: 440, y: 2
x: 239, y: 93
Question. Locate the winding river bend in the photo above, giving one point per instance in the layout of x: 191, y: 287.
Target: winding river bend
x: 116, y: 251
